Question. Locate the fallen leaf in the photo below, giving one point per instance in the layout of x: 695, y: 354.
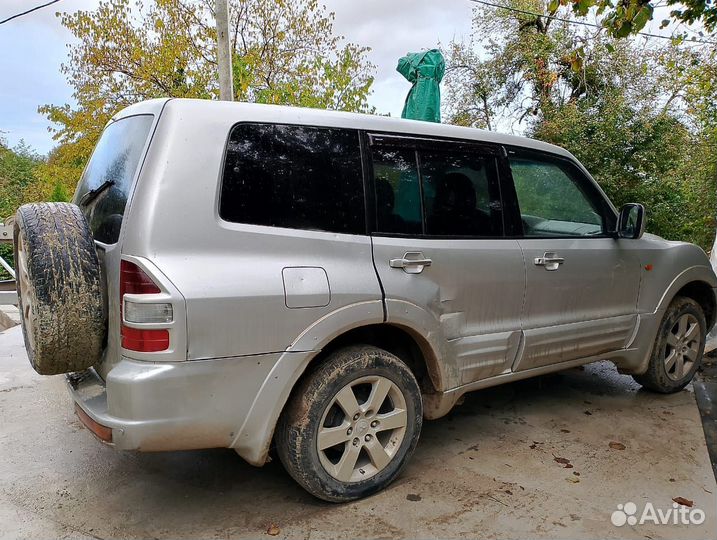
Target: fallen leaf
x: 413, y: 497
x: 573, y: 479
x: 588, y: 413
x: 568, y: 466
x: 509, y: 492
x: 683, y: 501
x: 273, y: 530
x: 562, y: 460
x: 672, y: 479
x: 617, y: 445
x: 564, y: 431
x: 576, y: 473
x: 533, y: 446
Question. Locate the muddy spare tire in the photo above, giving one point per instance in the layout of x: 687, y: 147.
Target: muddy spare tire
x: 59, y: 288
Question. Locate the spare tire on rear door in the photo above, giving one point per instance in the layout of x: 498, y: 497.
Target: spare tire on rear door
x: 59, y: 288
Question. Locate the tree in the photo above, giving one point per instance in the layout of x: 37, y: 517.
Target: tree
x: 285, y: 52
x: 625, y: 17
x: 639, y: 119
x: 17, y: 172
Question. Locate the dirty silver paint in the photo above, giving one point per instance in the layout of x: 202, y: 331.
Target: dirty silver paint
x: 482, y: 312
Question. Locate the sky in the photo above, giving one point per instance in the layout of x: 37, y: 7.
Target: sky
x: 33, y: 47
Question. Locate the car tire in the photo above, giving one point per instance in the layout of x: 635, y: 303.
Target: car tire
x: 678, y: 348
x: 341, y: 402
x: 59, y: 288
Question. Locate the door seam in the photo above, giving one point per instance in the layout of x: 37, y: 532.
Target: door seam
x: 378, y: 278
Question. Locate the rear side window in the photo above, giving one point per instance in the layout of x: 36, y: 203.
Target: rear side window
x: 294, y: 176
x: 104, y: 187
x: 460, y: 194
x: 456, y: 193
x: 398, y: 194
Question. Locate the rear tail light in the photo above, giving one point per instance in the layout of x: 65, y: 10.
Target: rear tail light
x: 134, y: 339
x: 147, y: 313
x: 134, y: 281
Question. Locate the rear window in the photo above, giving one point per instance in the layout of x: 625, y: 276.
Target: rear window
x: 105, y: 184
x: 294, y: 176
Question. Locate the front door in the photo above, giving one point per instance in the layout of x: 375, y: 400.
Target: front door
x: 581, y: 282
x: 445, y: 267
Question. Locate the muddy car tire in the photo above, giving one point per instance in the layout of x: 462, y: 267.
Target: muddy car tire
x: 59, y: 288
x: 351, y: 425
x: 678, y: 348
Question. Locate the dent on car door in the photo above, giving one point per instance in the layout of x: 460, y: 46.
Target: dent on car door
x: 446, y: 269
x: 581, y: 282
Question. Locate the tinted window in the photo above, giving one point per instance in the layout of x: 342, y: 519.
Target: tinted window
x: 460, y: 194
x: 398, y: 194
x: 555, y: 199
x: 294, y: 176
x: 456, y: 191
x: 110, y: 171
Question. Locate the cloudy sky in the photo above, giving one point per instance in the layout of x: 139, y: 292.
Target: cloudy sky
x: 34, y: 46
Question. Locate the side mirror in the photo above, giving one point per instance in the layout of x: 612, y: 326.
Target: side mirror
x: 631, y: 221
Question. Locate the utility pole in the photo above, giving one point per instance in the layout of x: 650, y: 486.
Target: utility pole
x: 224, y: 54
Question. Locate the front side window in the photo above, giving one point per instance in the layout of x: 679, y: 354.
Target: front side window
x: 555, y: 199
x: 294, y: 176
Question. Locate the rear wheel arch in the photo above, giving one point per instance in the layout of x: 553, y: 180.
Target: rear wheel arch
x: 404, y: 343
x: 254, y: 438
x: 400, y: 341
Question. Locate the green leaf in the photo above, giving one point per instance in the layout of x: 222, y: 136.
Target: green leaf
x: 553, y: 6
x: 640, y: 20
x: 624, y: 30
x: 610, y: 47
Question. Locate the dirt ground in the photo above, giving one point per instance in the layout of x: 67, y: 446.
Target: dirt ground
x: 494, y: 468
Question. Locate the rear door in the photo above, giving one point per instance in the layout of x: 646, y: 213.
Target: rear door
x: 102, y: 194
x: 446, y: 268
x: 582, y: 282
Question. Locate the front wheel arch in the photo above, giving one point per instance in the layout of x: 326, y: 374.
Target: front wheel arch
x: 704, y: 295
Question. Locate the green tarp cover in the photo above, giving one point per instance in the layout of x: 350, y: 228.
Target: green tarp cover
x: 425, y: 71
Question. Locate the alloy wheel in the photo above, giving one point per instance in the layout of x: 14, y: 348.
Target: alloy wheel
x: 362, y: 429
x: 683, y: 346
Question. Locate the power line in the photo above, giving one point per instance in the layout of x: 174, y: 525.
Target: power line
x: 582, y: 23
x: 28, y: 11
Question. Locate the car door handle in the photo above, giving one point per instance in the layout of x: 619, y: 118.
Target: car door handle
x: 413, y: 262
x: 550, y: 261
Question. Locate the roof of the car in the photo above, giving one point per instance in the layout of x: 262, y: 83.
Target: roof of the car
x: 240, y: 111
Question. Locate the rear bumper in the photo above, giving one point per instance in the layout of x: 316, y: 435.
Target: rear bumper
x: 170, y: 405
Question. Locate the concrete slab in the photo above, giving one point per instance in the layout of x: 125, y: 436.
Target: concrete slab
x: 9, y: 316
x: 487, y: 470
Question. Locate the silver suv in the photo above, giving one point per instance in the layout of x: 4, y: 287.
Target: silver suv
x: 236, y: 275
